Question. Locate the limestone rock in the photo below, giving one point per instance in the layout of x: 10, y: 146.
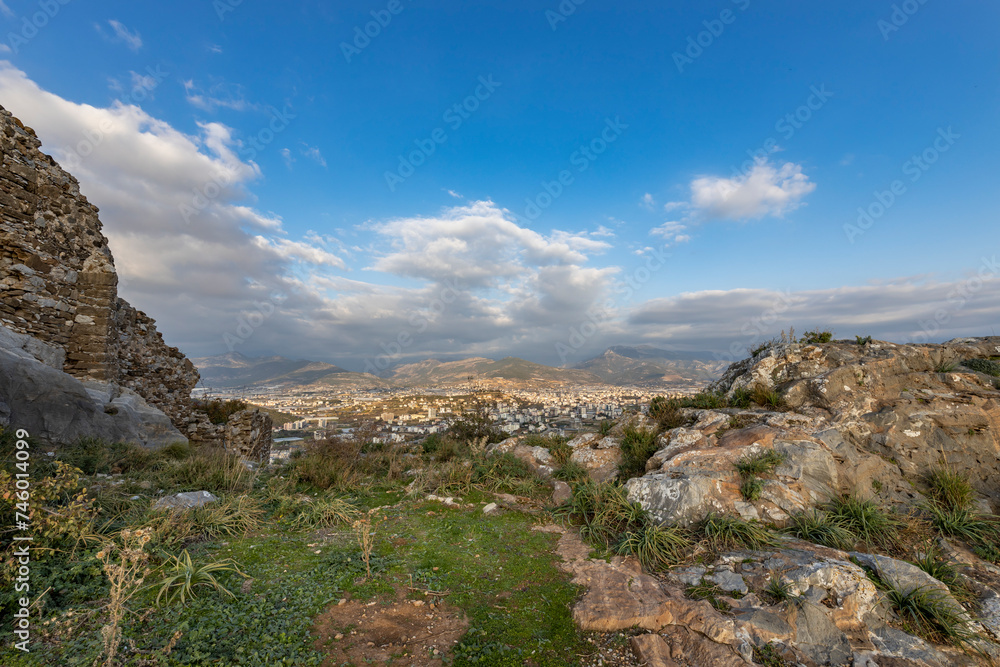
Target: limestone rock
x: 185, y: 501
x: 58, y: 409
x: 248, y: 433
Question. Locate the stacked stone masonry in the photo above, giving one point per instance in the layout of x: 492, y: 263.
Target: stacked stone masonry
x: 58, y: 283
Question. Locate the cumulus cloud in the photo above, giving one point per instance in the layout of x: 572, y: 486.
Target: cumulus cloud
x: 763, y: 191
x: 131, y: 39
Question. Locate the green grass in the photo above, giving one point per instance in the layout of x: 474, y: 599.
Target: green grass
x: 950, y: 489
x: 654, y: 546
x: 637, y: 446
x: 875, y: 527
x: 985, y: 366
x: 777, y: 590
x: 931, y: 614
x: 727, y: 532
x: 946, y: 367
x: 766, y: 397
x: 571, y: 471
x: 980, y: 531
x: 768, y: 656
x: 603, y: 512
x: 710, y: 592
x: 932, y: 563
x: 818, y: 527
x: 751, y: 467
x: 760, y: 463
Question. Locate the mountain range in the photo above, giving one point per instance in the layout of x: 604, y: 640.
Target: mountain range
x: 642, y: 365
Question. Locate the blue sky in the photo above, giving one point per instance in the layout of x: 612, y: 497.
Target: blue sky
x: 307, y: 250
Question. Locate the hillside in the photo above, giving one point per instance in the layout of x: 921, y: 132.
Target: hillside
x: 237, y: 370
x: 647, y: 366
x: 509, y: 370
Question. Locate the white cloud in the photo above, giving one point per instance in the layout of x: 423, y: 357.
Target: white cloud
x: 314, y: 154
x: 454, y: 194
x: 764, y: 191
x: 286, y: 155
x: 5, y: 10
x: 218, y: 95
x: 647, y: 202
x: 298, y: 250
x: 132, y: 40
x: 672, y: 232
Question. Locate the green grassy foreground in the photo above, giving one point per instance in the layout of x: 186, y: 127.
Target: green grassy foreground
x: 289, y: 532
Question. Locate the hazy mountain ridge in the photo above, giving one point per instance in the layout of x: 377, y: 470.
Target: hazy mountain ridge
x: 621, y: 365
x: 645, y: 366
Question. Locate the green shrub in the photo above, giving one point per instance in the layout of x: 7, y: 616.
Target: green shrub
x: 729, y: 532
x: 654, y: 546
x: 476, y: 427
x: 984, y: 366
x: 706, y: 400
x: 607, y: 425
x: 505, y: 473
x: 863, y: 341
x: 751, y: 489
x: 667, y: 412
x: 817, y: 336
x: 638, y: 445
x: 741, y: 398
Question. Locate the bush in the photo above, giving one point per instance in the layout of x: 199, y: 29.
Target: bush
x: 638, y: 445
x: 706, y: 400
x: 817, y: 336
x: 765, y: 397
x: 476, y: 427
x: 666, y: 412
x: 505, y: 473
x: 984, y: 366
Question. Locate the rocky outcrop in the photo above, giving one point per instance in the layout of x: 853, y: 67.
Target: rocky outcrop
x: 871, y: 419
x: 54, y: 407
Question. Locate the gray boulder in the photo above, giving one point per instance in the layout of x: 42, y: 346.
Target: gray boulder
x: 57, y: 409
x: 185, y: 501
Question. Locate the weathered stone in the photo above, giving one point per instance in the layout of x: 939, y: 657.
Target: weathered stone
x: 248, y: 433
x: 652, y: 650
x: 185, y: 501
x: 561, y: 492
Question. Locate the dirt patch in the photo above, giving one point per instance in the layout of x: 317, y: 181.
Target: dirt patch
x: 407, y: 632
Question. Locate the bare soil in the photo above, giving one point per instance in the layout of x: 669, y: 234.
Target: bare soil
x: 406, y: 632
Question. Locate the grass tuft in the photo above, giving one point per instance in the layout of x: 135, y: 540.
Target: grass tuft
x: 728, y: 532
x: 820, y: 528
x: 985, y: 366
x: 638, y: 445
x: 950, y: 489
x: 871, y: 524
x: 656, y: 547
